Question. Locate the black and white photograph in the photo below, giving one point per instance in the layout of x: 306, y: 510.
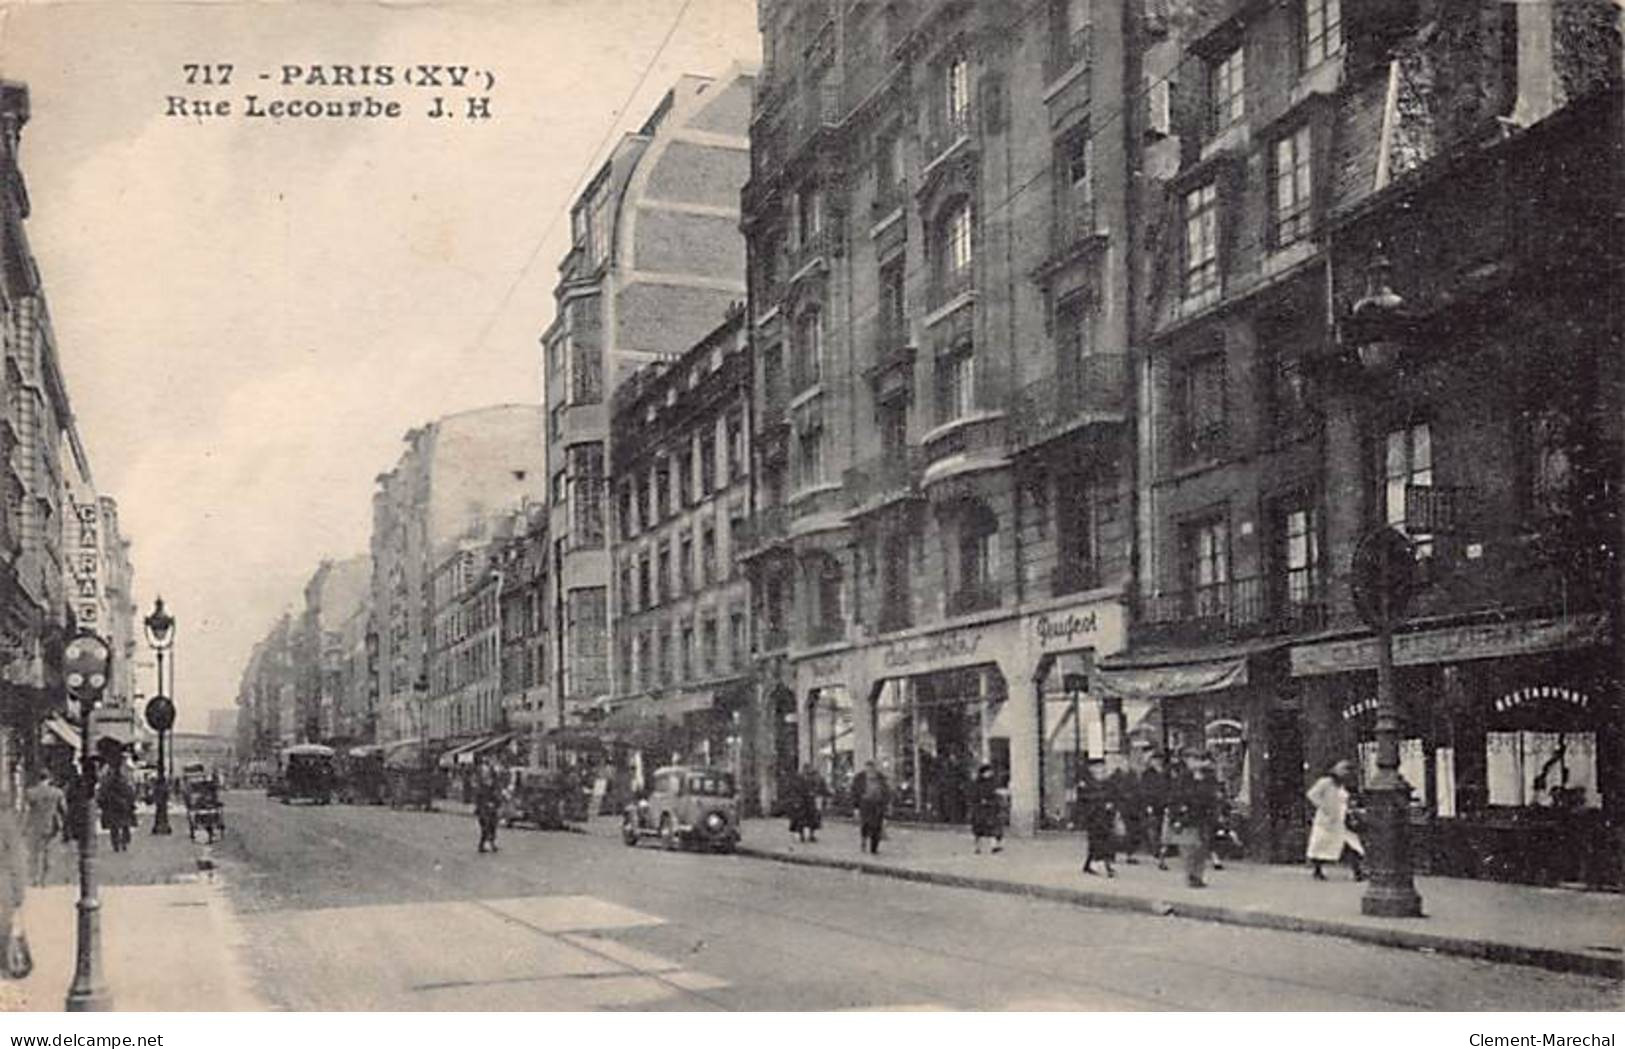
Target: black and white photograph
x: 812, y: 506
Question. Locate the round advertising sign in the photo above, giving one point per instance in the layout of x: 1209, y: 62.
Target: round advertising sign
x: 160, y: 713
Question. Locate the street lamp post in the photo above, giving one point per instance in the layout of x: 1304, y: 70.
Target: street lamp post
x: 1384, y: 580
x: 160, y: 626
x: 86, y: 666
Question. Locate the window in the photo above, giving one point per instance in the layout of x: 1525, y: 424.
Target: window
x: 824, y: 574
x: 1069, y: 35
x: 1074, y: 203
x: 708, y: 459
x: 646, y: 660
x: 956, y: 383
x: 1202, y: 244
x: 1407, y: 460
x: 955, y: 252
x: 891, y: 419
x: 1202, y: 420
x: 896, y: 601
x: 1207, y: 567
x: 736, y: 446
x: 1297, y: 561
x: 1077, y: 533
x: 663, y: 572
x: 892, y: 319
x: 810, y: 455
x: 809, y: 216
x: 708, y: 555
x: 645, y: 591
x: 956, y: 96
x: 708, y: 645
x: 1546, y: 462
x: 889, y: 186
x: 1227, y: 80
x: 977, y: 539
x: 662, y: 477
x: 665, y: 656
x: 1074, y: 335
x: 1294, y: 186
x: 623, y: 510
x: 738, y: 644
x: 586, y: 466
x: 688, y: 651
x: 685, y: 562
x: 809, y: 349
x: 685, y: 478
x: 628, y: 595
x: 773, y: 376
x: 1322, y: 31
x: 588, y: 641
x: 559, y: 488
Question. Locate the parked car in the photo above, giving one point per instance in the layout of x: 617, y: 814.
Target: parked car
x: 548, y: 798
x: 685, y: 806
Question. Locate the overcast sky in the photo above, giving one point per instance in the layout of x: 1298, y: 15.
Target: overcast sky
x: 251, y: 313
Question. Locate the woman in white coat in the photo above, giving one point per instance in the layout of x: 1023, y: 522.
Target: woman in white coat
x: 1330, y: 838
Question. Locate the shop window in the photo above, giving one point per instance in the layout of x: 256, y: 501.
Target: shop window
x: 1407, y: 462
x: 929, y: 737
x: 834, y: 752
x: 1527, y: 769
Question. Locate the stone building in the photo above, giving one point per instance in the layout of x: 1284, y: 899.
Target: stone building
x: 938, y: 242
x: 680, y: 473
x: 1476, y: 148
x: 655, y: 259
x: 455, y: 473
x: 527, y: 637
x: 334, y: 597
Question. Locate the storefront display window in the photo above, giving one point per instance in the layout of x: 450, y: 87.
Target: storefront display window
x: 930, y: 736
x: 1542, y: 768
x: 833, y: 744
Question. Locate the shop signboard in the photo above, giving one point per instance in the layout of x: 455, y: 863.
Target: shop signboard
x: 1096, y: 625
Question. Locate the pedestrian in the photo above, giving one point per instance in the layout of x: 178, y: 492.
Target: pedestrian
x: 1330, y: 839
x: 487, y: 806
x: 1099, y: 824
x: 1154, y: 785
x: 987, y: 809
x: 1194, y: 802
x: 1123, y: 787
x: 117, y: 800
x: 13, y: 879
x: 872, y: 793
x: 807, y: 789
x: 45, y: 817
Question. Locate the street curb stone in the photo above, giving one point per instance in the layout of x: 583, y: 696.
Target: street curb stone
x: 1553, y: 959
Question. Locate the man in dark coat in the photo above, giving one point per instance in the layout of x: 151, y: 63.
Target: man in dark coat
x: 806, y: 788
x: 872, y: 794
x: 987, y: 809
x: 487, y: 806
x: 117, y: 801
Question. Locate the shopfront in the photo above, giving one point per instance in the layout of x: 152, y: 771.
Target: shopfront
x: 1510, y: 741
x: 930, y: 708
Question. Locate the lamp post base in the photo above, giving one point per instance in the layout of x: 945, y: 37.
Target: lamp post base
x: 1390, y: 891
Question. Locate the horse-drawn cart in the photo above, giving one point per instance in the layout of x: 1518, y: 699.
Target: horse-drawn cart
x: 204, y: 810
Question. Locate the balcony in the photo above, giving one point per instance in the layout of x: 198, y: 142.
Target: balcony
x: 1093, y: 392
x: 1074, y: 228
x: 765, y: 527
x: 950, y: 286
x: 895, y: 615
x: 974, y: 597
x: 812, y: 250
x: 775, y: 638
x: 819, y: 110
x: 946, y: 132
x: 1068, y: 51
x: 889, y: 197
x: 1071, y: 577
x: 885, y: 477
x: 826, y: 633
x: 1236, y: 608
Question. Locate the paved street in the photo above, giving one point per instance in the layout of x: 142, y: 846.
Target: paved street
x: 365, y: 908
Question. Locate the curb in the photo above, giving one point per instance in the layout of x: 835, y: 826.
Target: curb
x: 1549, y: 958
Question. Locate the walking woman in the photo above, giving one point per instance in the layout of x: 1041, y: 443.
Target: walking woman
x: 806, y: 788
x: 987, y: 809
x: 487, y: 805
x: 1330, y: 839
x: 1099, y: 824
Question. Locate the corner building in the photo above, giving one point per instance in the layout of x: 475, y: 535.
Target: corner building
x: 938, y: 240
x: 655, y: 261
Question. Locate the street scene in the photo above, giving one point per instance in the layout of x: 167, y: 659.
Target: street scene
x: 813, y: 505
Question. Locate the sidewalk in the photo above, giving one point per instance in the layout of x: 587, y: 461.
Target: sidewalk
x: 1559, y: 929
x: 170, y: 942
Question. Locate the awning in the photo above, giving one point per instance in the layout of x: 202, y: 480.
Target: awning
x: 404, y: 754
x: 1515, y: 637
x: 468, y: 755
x: 1180, y: 679
x: 449, y: 756
x: 64, y: 733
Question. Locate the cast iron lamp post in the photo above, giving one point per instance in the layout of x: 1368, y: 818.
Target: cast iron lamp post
x: 1384, y: 580
x: 160, y: 711
x: 86, y: 665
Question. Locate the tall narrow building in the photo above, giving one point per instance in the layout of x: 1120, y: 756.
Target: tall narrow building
x: 655, y: 260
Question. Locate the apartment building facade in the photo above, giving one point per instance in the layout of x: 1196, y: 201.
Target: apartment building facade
x: 681, y: 478
x: 1447, y: 165
x: 938, y: 244
x: 655, y: 259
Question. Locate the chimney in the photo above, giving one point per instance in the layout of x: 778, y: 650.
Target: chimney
x: 1537, y: 73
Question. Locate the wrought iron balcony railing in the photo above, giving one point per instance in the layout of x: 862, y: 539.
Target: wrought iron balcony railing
x: 895, y: 473
x: 950, y: 285
x: 947, y: 130
x: 1093, y: 390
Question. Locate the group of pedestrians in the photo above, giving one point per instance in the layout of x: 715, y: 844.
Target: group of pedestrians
x: 806, y: 794
x: 1164, y: 807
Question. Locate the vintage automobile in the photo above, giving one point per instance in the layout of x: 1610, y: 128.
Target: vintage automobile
x: 685, y: 806
x: 204, y: 810
x: 548, y: 798
x: 306, y: 774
